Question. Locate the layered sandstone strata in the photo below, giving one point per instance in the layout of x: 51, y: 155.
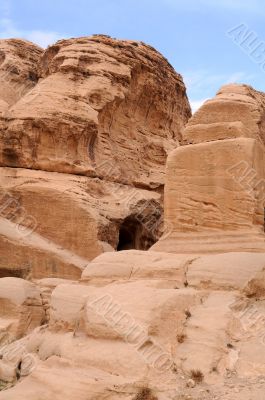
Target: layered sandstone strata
x: 18, y: 71
x: 235, y: 111
x: 173, y: 326
x: 214, y: 192
x: 132, y: 324
x: 21, y: 309
x: 83, y: 150
x: 52, y: 224
x: 98, y: 100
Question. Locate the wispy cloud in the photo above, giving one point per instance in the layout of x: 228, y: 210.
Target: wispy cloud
x: 202, y: 84
x: 196, y: 104
x: 203, y: 81
x: 42, y: 38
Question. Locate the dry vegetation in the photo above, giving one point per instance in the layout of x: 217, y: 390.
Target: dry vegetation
x: 181, y: 337
x: 145, y: 394
x: 196, y: 375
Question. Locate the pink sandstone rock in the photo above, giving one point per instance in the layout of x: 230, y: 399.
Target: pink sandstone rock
x: 87, y: 143
x: 184, y: 320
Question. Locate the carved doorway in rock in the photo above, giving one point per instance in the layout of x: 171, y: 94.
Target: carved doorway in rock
x: 133, y: 235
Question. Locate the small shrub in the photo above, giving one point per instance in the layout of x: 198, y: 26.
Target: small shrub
x: 181, y: 337
x: 188, y: 313
x: 174, y: 368
x: 3, y: 385
x: 196, y: 375
x: 145, y: 394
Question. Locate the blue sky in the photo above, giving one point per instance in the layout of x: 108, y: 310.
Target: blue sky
x: 192, y: 34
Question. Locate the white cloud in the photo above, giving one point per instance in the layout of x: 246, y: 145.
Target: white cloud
x: 203, y: 80
x: 202, y: 84
x: 196, y: 104
x: 42, y: 38
x: 239, y: 77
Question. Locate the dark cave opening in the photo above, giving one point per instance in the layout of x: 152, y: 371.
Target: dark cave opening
x: 133, y: 235
x: 14, y: 272
x: 126, y: 240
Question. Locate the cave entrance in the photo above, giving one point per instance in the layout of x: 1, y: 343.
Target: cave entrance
x: 126, y: 239
x: 14, y: 272
x: 132, y: 235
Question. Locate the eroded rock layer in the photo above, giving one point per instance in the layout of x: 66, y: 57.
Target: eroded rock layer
x: 102, y: 107
x: 236, y: 111
x: 18, y: 71
x: 215, y: 185
x: 142, y: 324
x: 52, y: 224
x: 81, y: 152
x: 83, y: 144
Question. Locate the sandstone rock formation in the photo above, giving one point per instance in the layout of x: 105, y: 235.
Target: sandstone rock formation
x: 236, y: 111
x: 18, y: 71
x: 98, y: 100
x: 174, y: 320
x: 86, y: 142
x: 184, y: 320
x: 215, y: 189
x: 21, y: 308
x: 70, y: 220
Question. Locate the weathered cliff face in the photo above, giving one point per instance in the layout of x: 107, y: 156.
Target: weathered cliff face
x: 106, y: 109
x: 18, y: 70
x: 214, y: 193
x: 52, y: 224
x: 102, y: 107
x: 134, y: 325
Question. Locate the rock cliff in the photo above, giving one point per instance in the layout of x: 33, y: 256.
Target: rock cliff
x: 82, y: 148
x: 85, y: 130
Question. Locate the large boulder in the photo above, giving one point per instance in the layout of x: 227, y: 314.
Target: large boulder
x: 236, y: 111
x: 214, y: 197
x: 163, y: 269
x: 21, y: 308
